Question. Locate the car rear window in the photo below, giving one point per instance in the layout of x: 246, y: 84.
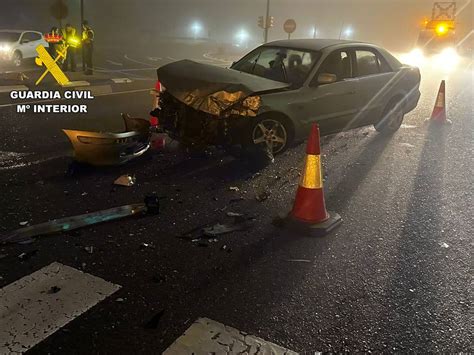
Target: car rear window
x: 9, y: 36
x: 280, y: 64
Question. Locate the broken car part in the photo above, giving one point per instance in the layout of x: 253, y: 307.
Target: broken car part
x: 149, y: 206
x: 107, y: 148
x: 125, y: 180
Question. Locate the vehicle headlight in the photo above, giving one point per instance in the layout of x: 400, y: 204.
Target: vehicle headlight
x: 448, y: 59
x: 4, y: 48
x: 415, y: 57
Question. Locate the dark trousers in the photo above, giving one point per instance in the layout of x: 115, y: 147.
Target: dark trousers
x: 70, y: 59
x: 88, y: 49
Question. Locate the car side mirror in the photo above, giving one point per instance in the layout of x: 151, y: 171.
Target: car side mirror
x: 23, y: 41
x: 326, y: 78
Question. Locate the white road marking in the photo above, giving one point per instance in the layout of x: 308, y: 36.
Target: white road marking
x: 206, y: 336
x: 154, y: 59
x: 76, y: 84
x: 137, y: 61
x: 13, y: 88
x: 114, y: 63
x: 36, y: 306
x: 62, y: 99
x: 121, y: 80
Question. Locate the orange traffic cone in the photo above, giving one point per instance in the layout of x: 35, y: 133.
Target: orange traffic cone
x: 309, y: 209
x: 439, y: 111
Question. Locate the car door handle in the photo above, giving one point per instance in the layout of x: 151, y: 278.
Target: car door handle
x: 338, y: 94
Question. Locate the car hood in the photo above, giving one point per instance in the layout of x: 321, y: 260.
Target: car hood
x: 213, y: 89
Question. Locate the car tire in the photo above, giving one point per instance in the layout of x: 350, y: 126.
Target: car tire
x: 392, y: 117
x: 17, y: 59
x: 270, y: 132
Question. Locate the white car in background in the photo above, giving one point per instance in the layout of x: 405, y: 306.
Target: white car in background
x: 16, y: 45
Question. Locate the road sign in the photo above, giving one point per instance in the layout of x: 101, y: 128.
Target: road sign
x: 289, y: 26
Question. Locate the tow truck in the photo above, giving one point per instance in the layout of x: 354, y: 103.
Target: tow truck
x: 439, y: 33
x: 437, y: 42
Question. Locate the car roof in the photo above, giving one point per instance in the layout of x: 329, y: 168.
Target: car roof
x: 19, y: 31
x: 313, y: 44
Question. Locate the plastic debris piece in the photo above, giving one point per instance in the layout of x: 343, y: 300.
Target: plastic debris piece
x: 120, y: 299
x: 24, y: 223
x: 125, y: 180
x: 262, y: 195
x: 53, y: 290
x: 219, y: 229
x: 234, y: 214
x: 27, y: 255
x: 155, y: 320
x: 444, y: 245
x: 90, y: 249
x: 146, y: 246
x: 234, y: 188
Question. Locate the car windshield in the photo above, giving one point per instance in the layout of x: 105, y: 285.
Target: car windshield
x: 287, y: 65
x: 9, y: 36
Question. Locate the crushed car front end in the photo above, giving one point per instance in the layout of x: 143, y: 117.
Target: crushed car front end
x: 203, y: 105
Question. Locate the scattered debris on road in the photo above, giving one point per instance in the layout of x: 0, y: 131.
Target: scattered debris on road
x: 155, y: 320
x: 53, y: 290
x: 25, y: 223
x: 125, y: 180
x: 28, y: 255
x: 262, y: 195
x: 90, y: 249
x: 444, y: 245
x: 150, y: 206
x: 234, y: 188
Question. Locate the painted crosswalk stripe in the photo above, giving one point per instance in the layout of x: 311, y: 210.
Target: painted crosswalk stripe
x: 206, y: 336
x: 10, y: 88
x: 36, y: 306
x: 121, y: 80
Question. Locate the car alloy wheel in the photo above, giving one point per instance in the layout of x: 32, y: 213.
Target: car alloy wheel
x: 17, y: 59
x: 395, y: 118
x: 272, y: 133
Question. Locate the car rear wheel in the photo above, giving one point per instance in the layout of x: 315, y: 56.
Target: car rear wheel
x: 392, y: 118
x: 17, y: 59
x: 269, y: 133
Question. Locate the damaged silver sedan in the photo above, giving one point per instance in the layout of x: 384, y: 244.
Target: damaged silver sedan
x: 270, y: 97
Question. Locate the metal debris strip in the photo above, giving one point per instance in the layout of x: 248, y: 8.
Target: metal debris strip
x: 150, y: 206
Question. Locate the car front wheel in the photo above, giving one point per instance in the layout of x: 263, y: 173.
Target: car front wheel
x: 17, y: 59
x: 269, y: 133
x: 392, y: 118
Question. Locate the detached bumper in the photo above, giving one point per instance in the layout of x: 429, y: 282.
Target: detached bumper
x: 99, y: 149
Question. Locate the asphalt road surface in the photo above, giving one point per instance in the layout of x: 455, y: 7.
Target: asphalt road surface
x: 396, y: 276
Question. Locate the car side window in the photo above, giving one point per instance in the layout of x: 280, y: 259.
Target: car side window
x: 370, y: 63
x: 30, y: 37
x: 367, y: 63
x: 337, y: 63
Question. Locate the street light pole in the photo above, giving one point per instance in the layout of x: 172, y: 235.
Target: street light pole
x: 265, y: 32
x: 82, y: 30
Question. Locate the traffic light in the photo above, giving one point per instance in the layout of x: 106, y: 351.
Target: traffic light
x: 260, y: 22
x: 270, y: 21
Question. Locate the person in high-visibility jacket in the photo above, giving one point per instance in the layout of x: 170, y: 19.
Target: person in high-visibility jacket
x: 87, y: 46
x: 72, y: 42
x: 54, y: 39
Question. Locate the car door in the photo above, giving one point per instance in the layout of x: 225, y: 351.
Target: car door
x: 334, y: 105
x: 27, y: 45
x: 376, y: 80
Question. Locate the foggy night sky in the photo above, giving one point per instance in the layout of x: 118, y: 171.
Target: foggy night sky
x: 391, y: 23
